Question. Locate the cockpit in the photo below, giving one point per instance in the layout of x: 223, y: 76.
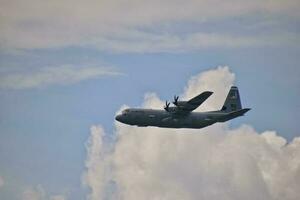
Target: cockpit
x: 126, y: 111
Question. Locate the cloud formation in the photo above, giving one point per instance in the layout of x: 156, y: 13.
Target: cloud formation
x: 62, y: 75
x: 211, y: 163
x: 97, y: 164
x: 138, y: 26
x: 38, y: 193
x: 141, y: 42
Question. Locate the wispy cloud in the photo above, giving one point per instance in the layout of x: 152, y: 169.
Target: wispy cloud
x: 62, y: 75
x: 142, y: 42
x: 36, y: 24
x: 39, y: 193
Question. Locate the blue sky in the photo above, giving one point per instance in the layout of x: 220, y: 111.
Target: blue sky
x: 64, y: 69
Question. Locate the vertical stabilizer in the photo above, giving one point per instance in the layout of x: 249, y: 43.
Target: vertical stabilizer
x: 233, y: 101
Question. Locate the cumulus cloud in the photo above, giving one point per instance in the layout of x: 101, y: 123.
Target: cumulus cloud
x: 132, y: 26
x: 62, y: 75
x: 97, y: 164
x: 218, y: 81
x: 34, y: 193
x: 211, y: 163
x: 39, y: 193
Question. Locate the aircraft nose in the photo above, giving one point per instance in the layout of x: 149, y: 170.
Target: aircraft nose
x: 118, y: 118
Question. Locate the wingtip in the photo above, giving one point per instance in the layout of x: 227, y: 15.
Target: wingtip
x: 233, y: 88
x: 208, y: 92
x: 247, y: 109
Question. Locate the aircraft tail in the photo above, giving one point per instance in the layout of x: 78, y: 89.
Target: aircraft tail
x: 233, y: 101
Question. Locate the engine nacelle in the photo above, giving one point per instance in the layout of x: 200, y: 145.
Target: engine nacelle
x: 181, y: 103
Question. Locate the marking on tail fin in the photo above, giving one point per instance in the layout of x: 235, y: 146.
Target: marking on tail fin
x: 232, y: 102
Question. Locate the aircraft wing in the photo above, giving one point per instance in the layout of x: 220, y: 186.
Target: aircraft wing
x: 192, y: 104
x: 198, y: 100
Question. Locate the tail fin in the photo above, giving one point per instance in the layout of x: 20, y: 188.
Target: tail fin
x: 233, y: 101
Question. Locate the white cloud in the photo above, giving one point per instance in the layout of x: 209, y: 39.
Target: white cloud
x: 1, y: 181
x: 39, y: 193
x: 97, y: 164
x: 61, y: 75
x: 57, y: 197
x: 171, y: 42
x: 218, y: 81
x: 211, y: 163
x: 36, y: 193
x: 117, y: 25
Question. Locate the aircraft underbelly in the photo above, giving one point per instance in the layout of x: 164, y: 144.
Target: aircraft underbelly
x: 190, y: 121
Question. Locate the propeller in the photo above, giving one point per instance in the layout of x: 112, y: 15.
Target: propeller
x: 175, y: 102
x: 167, y: 106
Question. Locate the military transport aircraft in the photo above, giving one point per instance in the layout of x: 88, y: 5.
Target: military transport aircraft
x: 181, y: 115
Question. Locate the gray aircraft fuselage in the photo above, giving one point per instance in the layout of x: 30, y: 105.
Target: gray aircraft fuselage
x: 162, y: 118
x: 181, y: 115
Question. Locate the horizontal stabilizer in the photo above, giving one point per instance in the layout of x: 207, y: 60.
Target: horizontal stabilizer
x: 233, y: 114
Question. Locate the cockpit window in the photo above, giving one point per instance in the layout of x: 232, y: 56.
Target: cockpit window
x: 125, y: 111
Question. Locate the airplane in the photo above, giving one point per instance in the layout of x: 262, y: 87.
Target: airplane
x: 181, y: 116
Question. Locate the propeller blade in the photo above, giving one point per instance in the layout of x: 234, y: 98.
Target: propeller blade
x: 167, y: 106
x: 175, y: 102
